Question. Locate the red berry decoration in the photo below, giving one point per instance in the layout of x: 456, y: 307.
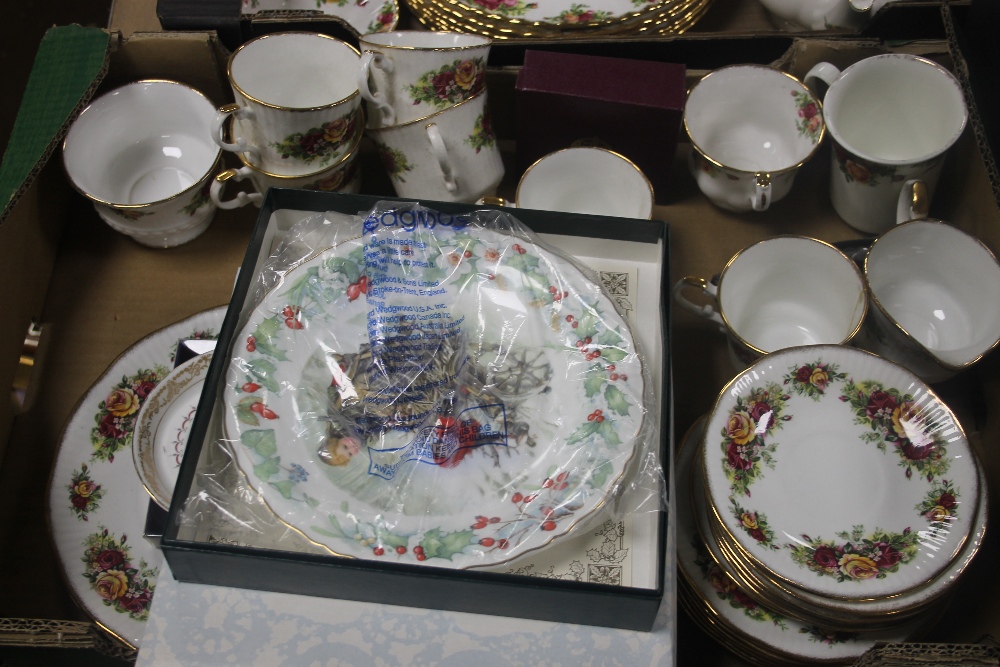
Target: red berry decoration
x: 293, y: 323
x: 257, y: 407
x: 569, y: 318
x: 378, y: 551
x: 611, y: 367
x: 547, y: 483
x: 494, y: 519
x: 576, y: 324
x: 251, y: 344
x: 288, y: 311
x: 467, y: 254
x: 599, y: 418
x: 401, y: 550
x: 421, y: 556
x: 250, y: 387
x: 503, y: 544
x: 548, y: 525
x: 268, y: 413
x: 491, y: 276
x: 552, y: 289
x: 486, y: 542
x: 561, y: 477
x: 623, y: 377
x: 516, y: 498
x: 613, y: 376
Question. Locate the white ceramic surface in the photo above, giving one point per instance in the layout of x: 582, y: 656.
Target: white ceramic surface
x: 586, y: 180
x: 781, y: 292
x: 297, y: 99
x: 97, y: 503
x: 892, y: 118
x: 408, y: 74
x: 342, y: 176
x: 826, y: 465
x: 935, y: 291
x: 450, y: 155
x: 548, y: 410
x: 751, y: 128
x: 363, y: 16
x: 142, y: 154
x: 753, y: 622
x: 798, y: 15
x: 163, y: 425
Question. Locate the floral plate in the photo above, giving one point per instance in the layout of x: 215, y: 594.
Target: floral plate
x: 559, y: 14
x: 97, y: 504
x: 840, y: 473
x: 363, y: 16
x: 751, y: 622
x: 163, y: 426
x: 515, y: 404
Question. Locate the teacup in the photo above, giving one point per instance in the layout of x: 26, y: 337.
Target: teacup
x: 297, y: 101
x: 408, y: 74
x: 935, y: 291
x: 586, y: 180
x: 751, y: 127
x: 450, y: 155
x: 142, y: 153
x: 798, y: 15
x: 344, y: 176
x: 892, y: 117
x: 782, y: 292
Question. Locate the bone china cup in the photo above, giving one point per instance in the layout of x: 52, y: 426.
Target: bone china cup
x: 297, y: 101
x: 782, y: 292
x: 408, y: 74
x: 451, y: 155
x: 751, y: 128
x: 892, y: 117
x: 935, y: 292
x: 143, y: 154
x: 586, y: 180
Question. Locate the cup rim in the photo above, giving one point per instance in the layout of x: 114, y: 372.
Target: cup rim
x: 836, y: 136
x: 280, y: 107
x: 783, y: 170
x: 365, y: 40
x: 208, y: 173
x: 941, y: 224
x: 862, y: 282
x: 640, y: 172
x: 429, y: 118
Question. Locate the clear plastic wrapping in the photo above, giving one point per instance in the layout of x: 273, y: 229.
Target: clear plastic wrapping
x: 428, y: 387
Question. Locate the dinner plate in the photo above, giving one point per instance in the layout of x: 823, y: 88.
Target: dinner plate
x: 163, y: 425
x: 458, y: 415
x: 840, y: 473
x: 363, y: 16
x: 97, y: 504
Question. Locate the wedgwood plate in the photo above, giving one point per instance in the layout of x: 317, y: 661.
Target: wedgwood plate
x: 364, y: 16
x: 544, y: 419
x: 753, y: 622
x: 164, y: 423
x: 97, y: 504
x: 840, y: 473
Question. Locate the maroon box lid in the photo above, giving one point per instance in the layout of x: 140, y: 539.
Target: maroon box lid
x: 633, y: 107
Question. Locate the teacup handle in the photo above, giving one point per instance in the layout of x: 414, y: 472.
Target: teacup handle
x: 440, y: 151
x: 914, y: 201
x: 761, y: 192
x: 219, y: 127
x: 825, y: 72
x: 371, y: 59
x: 710, y: 310
x: 242, y: 198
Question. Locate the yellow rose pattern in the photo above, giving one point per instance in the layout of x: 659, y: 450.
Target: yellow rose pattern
x: 84, y: 494
x: 856, y: 556
x: 117, y: 413
x: 320, y: 144
x: 746, y: 438
x: 120, y: 584
x: 811, y: 380
x: 449, y: 85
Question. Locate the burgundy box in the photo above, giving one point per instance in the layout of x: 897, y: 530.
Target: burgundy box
x: 633, y: 107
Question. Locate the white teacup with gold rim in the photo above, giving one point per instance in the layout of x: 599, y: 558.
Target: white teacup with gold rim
x: 751, y: 128
x: 344, y: 176
x: 142, y: 154
x: 407, y: 74
x: 297, y: 102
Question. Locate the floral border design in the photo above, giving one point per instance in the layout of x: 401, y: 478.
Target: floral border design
x: 727, y: 591
x: 579, y: 13
x: 450, y: 84
x: 810, y: 121
x: 829, y: 637
x: 84, y: 494
x: 318, y: 143
x: 121, y: 585
x: 811, y: 380
x: 386, y: 18
x: 482, y: 133
x: 200, y: 198
x: 117, y: 413
x: 509, y: 8
x: 857, y: 557
x: 856, y: 170
x: 394, y: 161
x: 744, y: 445
x: 130, y: 213
x: 755, y: 524
x: 940, y: 506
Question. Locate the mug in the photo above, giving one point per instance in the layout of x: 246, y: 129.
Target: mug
x: 408, y: 74
x: 935, y: 291
x: 586, y: 180
x: 782, y: 292
x: 798, y: 15
x: 450, y: 155
x: 344, y: 176
x: 142, y: 153
x: 891, y: 117
x: 751, y: 128
x: 297, y: 101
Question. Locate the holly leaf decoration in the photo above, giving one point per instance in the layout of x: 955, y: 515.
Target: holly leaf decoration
x: 445, y: 545
x: 265, y: 333
x: 243, y: 412
x: 617, y: 401
x: 607, y: 431
x: 583, y: 431
x: 587, y: 325
x: 595, y: 380
x: 261, y: 441
x: 525, y: 263
x: 263, y: 370
x: 344, y: 266
x: 599, y: 476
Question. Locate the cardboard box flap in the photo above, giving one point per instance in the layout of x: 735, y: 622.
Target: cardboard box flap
x: 71, y: 63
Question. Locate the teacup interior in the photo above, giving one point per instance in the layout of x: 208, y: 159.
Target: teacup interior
x: 296, y: 70
x: 142, y: 143
x: 941, y: 285
x: 895, y: 108
x: 586, y: 180
x: 747, y: 117
x: 791, y: 291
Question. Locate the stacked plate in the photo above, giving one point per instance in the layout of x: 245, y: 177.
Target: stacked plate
x: 834, y: 502
x: 509, y: 19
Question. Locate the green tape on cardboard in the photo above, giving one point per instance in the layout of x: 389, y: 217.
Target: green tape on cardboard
x: 71, y: 60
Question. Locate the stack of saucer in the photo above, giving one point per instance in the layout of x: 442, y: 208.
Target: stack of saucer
x: 832, y: 502
x: 297, y: 121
